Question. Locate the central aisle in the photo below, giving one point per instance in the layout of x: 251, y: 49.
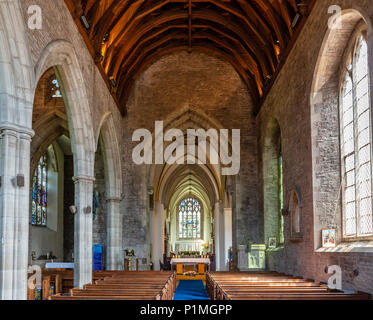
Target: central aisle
x: 191, y: 290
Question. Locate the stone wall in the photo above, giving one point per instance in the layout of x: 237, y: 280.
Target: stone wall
x: 172, y: 84
x: 99, y: 219
x: 289, y: 101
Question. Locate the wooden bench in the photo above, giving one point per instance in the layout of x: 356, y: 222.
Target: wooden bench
x: 63, y: 281
x: 271, y: 286
x: 122, y: 285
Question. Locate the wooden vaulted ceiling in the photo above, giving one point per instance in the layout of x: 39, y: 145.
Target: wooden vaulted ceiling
x: 125, y: 36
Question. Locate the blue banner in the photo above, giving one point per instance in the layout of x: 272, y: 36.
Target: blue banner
x: 97, y: 257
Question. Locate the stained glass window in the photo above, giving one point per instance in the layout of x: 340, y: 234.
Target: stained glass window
x: 189, y: 219
x: 356, y: 145
x: 55, y: 88
x: 39, y: 193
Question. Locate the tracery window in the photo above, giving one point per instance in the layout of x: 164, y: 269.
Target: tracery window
x: 189, y: 219
x: 355, y: 124
x: 39, y: 193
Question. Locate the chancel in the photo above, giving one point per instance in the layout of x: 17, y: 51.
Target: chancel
x: 186, y: 149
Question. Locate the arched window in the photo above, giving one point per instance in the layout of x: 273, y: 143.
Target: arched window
x: 280, y: 195
x: 189, y: 217
x: 39, y: 193
x: 355, y: 124
x: 273, y: 184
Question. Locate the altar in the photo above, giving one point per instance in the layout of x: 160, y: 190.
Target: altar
x: 189, y: 265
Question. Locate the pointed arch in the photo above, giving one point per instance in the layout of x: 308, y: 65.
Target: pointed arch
x: 113, y: 164
x: 16, y: 69
x: 61, y: 54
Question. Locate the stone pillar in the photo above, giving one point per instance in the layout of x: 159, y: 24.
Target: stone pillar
x: 227, y: 236
x: 83, y: 230
x: 158, y: 236
x: 14, y: 210
x: 219, y: 234
x: 114, y: 255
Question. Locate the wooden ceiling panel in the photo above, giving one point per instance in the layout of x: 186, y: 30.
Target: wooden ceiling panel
x: 126, y: 36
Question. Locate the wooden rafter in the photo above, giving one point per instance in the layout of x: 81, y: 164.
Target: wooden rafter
x: 125, y: 36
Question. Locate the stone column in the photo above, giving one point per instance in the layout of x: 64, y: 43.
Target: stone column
x: 83, y: 230
x: 227, y: 236
x: 114, y: 248
x: 219, y: 234
x: 14, y: 210
x: 158, y: 236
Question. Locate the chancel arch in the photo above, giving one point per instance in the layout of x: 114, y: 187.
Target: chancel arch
x: 201, y: 182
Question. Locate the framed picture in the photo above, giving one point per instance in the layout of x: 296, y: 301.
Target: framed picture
x: 329, y: 237
x: 272, y: 243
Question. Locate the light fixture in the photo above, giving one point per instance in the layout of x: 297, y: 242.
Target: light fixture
x: 20, y: 180
x: 73, y: 209
x: 88, y: 210
x: 296, y: 20
x: 85, y: 22
x: 106, y: 37
x: 267, y: 80
x: 113, y: 82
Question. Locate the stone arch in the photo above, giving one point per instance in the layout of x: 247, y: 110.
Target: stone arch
x: 113, y: 165
x: 325, y: 130
x: 61, y: 54
x: 113, y: 185
x: 16, y: 76
x: 48, y: 122
x: 209, y: 186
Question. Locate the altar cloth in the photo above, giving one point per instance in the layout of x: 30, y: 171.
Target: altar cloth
x: 59, y: 265
x: 189, y: 261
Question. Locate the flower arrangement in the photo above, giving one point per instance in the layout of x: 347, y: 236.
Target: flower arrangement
x: 130, y: 252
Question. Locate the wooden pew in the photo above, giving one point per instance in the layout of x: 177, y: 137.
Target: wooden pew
x: 63, y: 280
x: 125, y: 286
x: 271, y: 286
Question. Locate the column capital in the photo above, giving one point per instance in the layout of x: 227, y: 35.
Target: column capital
x: 83, y: 178
x: 16, y: 130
